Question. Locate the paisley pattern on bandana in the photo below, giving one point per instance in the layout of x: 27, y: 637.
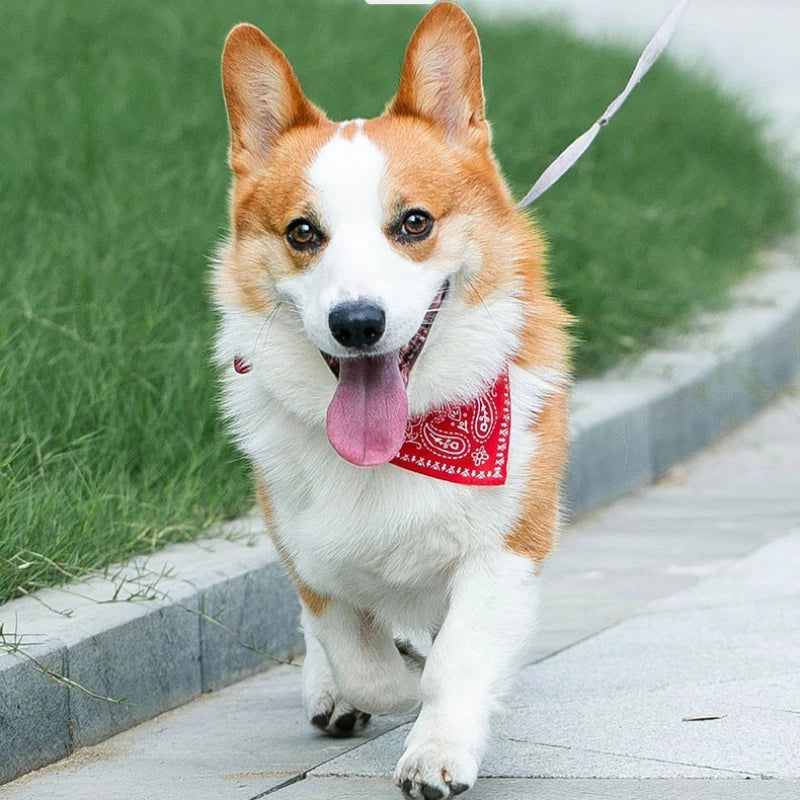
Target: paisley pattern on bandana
x: 465, y: 444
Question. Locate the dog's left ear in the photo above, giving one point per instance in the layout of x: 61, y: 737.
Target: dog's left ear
x: 442, y: 78
x: 262, y: 95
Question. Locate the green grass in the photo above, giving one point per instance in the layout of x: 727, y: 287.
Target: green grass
x: 112, y: 196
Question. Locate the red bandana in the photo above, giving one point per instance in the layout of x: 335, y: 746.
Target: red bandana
x: 465, y: 444
x: 462, y: 444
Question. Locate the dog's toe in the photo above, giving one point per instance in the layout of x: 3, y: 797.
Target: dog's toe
x: 321, y: 721
x: 432, y: 793
x: 432, y: 772
x: 341, y: 721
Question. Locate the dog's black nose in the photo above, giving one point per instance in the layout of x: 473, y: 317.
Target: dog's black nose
x: 357, y: 323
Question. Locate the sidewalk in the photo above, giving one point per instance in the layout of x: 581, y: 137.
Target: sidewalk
x: 679, y: 602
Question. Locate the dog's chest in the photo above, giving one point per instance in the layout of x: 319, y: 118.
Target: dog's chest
x: 366, y: 532
x: 369, y: 534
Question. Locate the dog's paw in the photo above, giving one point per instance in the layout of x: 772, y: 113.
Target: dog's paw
x: 325, y: 708
x: 433, y: 771
x: 337, y: 718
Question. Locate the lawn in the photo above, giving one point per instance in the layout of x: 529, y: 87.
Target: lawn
x: 112, y: 196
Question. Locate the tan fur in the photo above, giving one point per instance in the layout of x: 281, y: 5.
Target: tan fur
x: 535, y: 532
x: 263, y: 97
x: 314, y: 602
x: 457, y: 107
x: 263, y: 203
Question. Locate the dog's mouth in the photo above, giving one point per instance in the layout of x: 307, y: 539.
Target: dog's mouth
x: 368, y: 414
x: 407, y: 355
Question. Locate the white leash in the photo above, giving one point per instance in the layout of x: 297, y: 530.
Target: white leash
x: 567, y: 159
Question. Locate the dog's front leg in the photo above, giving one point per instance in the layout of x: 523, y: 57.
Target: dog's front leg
x: 324, y: 704
x: 366, y: 667
x: 480, y: 647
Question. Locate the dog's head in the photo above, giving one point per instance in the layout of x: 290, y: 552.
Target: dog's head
x: 353, y: 238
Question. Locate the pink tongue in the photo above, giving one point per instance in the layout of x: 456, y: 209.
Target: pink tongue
x: 368, y: 414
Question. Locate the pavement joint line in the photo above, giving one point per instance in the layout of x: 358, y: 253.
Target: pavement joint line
x: 577, y: 642
x: 638, y: 758
x: 645, y: 611
x: 285, y: 785
x: 665, y: 612
x: 358, y: 745
x: 305, y: 774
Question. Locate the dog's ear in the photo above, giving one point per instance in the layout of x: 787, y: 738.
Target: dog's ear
x: 262, y: 94
x: 442, y: 79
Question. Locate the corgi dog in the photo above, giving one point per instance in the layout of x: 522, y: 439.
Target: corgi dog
x: 397, y: 373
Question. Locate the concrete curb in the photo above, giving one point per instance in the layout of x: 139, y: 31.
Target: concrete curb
x: 191, y: 619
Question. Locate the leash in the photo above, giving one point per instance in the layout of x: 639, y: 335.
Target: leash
x: 566, y: 160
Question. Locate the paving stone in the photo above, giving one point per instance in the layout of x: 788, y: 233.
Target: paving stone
x: 256, y: 619
x: 731, y: 370
x: 772, y: 572
x: 34, y: 711
x: 152, y: 663
x: 511, y: 756
x: 249, y: 609
x: 118, y: 644
x: 238, y: 743
x: 505, y: 789
x: 610, y: 443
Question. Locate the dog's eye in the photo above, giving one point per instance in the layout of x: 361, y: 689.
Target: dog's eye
x: 416, y: 224
x: 302, y: 235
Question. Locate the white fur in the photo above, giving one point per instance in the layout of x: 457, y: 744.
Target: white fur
x: 480, y: 647
x: 393, y: 549
x: 323, y: 699
x: 358, y: 261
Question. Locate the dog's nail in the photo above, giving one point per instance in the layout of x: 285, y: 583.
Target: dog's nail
x: 321, y: 720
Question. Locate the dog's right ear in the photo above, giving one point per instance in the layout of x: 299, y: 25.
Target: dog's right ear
x: 442, y: 78
x: 262, y: 94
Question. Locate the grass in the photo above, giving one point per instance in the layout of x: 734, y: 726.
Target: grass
x: 112, y: 196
